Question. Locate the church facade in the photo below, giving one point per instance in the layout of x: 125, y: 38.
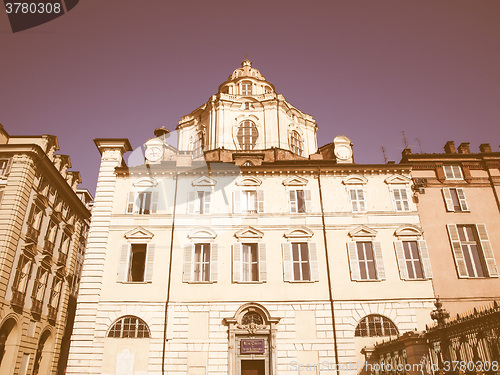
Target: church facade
x: 236, y: 245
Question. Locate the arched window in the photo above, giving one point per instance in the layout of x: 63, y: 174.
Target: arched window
x: 296, y: 144
x: 375, y: 325
x: 247, y: 135
x: 246, y: 88
x: 129, y: 327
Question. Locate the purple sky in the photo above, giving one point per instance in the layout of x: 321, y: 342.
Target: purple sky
x: 367, y: 69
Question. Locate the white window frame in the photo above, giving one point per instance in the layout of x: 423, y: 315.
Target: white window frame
x: 246, y: 87
x: 293, y: 201
x: 249, y: 136
x: 136, y: 206
x: 354, y: 261
x: 5, y: 165
x: 296, y: 143
x: 484, y: 249
x: 125, y: 263
x: 199, y: 202
x: 401, y: 201
x: 357, y: 204
x: 241, y: 198
x: 460, y: 197
x: 453, y: 172
x: 238, y: 262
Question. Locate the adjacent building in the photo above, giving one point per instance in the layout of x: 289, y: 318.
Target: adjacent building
x: 459, y: 207
x: 44, y: 219
x: 236, y: 246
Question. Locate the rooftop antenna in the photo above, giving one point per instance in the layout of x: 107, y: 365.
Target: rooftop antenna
x: 404, y: 139
x: 419, y: 145
x: 383, y: 152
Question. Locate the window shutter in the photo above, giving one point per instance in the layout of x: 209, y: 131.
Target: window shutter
x: 191, y: 199
x: 188, y: 261
x: 214, y: 260
x: 457, y: 250
x: 237, y: 202
x: 461, y: 198
x: 130, y: 202
x: 313, y: 261
x: 262, y: 263
x: 447, y: 200
x: 353, y: 260
x: 361, y: 200
x: 123, y: 264
x: 236, y: 262
x: 154, y: 202
x: 487, y: 250
x: 307, y: 197
x: 292, y: 202
x: 424, y: 257
x: 379, y: 261
x: 148, y: 273
x: 287, y: 262
x: 260, y: 200
x: 207, y: 196
x: 400, y: 256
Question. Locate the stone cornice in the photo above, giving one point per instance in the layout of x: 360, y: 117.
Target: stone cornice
x: 50, y: 172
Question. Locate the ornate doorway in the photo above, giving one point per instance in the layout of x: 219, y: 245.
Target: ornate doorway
x: 252, y: 341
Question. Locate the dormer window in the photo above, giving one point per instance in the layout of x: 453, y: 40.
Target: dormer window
x: 247, y: 135
x: 453, y: 172
x: 296, y: 144
x: 267, y: 89
x: 246, y: 88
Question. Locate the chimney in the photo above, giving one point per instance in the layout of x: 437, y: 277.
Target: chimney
x: 485, y: 148
x: 464, y: 148
x: 449, y: 147
x: 406, y: 151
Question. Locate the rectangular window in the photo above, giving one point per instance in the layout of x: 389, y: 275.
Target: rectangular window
x: 199, y: 202
x: 56, y: 293
x: 366, y: 261
x: 471, y: 250
x: 453, y: 172
x: 401, y: 201
x: 300, y: 259
x: 250, y: 262
x: 249, y: 201
x: 412, y: 260
x: 201, y: 271
x: 40, y: 284
x: 246, y: 88
x: 455, y: 200
x: 23, y: 272
x: 299, y: 201
x: 142, y: 203
x: 357, y: 197
x: 137, y: 262
x: 4, y: 167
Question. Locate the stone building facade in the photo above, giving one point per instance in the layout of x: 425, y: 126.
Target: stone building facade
x: 44, y: 219
x: 237, y: 246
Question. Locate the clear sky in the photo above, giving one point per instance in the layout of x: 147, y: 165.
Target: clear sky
x: 367, y: 69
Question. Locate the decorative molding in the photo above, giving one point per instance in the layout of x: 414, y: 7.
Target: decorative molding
x: 139, y: 233
x: 302, y: 232
x: 362, y: 231
x: 397, y: 179
x: 355, y: 180
x: 145, y: 182
x: 249, y: 232
x: 249, y: 181
x: 408, y: 230
x: 202, y: 233
x: 204, y: 181
x: 295, y: 181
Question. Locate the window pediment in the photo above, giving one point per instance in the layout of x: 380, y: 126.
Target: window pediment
x: 145, y: 182
x: 139, y: 234
x: 355, y: 180
x: 249, y: 181
x: 408, y: 230
x: 302, y: 232
x: 397, y: 179
x: 249, y: 232
x: 202, y: 233
x: 295, y: 181
x: 204, y: 181
x: 362, y: 231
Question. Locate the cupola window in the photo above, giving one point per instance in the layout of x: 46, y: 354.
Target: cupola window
x: 247, y: 135
x: 246, y: 88
x: 296, y: 144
